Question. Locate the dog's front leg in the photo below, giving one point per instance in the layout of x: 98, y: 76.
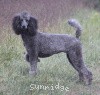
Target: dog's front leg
x: 27, y: 58
x: 33, y: 65
x: 33, y: 62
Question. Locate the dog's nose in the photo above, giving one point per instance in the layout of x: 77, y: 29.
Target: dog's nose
x: 24, y: 27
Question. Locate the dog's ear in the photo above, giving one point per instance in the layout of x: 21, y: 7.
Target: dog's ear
x: 32, y: 26
x: 16, y: 25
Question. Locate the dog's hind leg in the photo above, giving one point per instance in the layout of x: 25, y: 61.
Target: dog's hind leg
x: 75, y: 58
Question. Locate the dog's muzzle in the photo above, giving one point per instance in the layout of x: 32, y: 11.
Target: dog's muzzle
x: 24, y: 24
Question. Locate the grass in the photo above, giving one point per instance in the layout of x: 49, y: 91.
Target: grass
x: 14, y: 77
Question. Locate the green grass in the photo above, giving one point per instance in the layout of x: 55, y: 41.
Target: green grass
x: 14, y: 77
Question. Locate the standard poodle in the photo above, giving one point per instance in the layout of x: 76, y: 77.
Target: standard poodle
x: 41, y: 45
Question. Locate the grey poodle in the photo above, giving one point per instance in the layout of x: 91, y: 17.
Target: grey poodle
x: 41, y: 45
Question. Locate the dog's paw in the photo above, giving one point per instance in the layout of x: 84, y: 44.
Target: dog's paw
x: 87, y: 78
x: 32, y: 72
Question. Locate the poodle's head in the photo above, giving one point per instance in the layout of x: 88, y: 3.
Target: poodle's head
x: 23, y: 23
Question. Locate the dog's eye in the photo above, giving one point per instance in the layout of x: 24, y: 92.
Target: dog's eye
x: 21, y: 20
x: 26, y: 20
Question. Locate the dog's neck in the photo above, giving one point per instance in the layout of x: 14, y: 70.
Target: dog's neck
x: 26, y: 38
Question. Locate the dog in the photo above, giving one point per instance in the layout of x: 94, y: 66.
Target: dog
x: 41, y: 45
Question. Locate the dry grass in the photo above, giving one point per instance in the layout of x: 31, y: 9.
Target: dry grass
x: 52, y: 16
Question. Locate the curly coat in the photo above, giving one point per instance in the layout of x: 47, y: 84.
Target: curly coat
x: 39, y: 44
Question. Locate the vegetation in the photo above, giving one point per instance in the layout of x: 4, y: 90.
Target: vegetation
x: 14, y: 77
x: 93, y: 3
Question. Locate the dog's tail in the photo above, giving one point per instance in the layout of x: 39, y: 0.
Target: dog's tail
x: 74, y: 23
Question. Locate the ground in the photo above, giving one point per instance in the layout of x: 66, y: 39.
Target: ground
x: 52, y: 17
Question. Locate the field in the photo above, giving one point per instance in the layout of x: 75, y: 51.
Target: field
x: 55, y: 70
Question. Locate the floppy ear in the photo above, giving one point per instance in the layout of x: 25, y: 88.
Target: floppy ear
x: 16, y: 25
x: 32, y: 26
